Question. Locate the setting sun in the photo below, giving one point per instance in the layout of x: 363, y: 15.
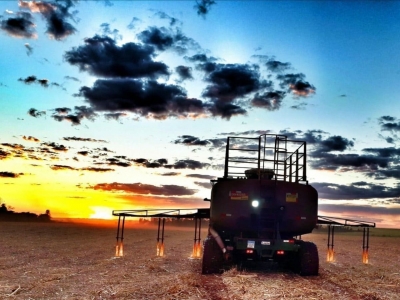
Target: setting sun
x: 101, y: 213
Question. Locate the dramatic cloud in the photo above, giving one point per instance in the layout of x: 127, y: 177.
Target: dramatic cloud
x: 80, y: 113
x: 55, y: 147
x: 89, y: 169
x: 32, y: 79
x: 269, y: 100
x: 296, y: 84
x: 389, y: 123
x: 203, y: 7
x: 56, y: 16
x: 100, y: 56
x: 20, y: 26
x: 147, y: 99
x: 163, y: 163
x: 10, y: 174
x: 355, y: 191
x: 163, y: 39
x: 30, y: 139
x: 333, y: 143
x: 79, y: 139
x: 190, y: 140
x: 145, y: 189
x: 277, y: 66
x: 184, y: 73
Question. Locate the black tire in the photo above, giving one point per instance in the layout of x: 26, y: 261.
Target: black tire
x: 212, y: 257
x: 308, y: 259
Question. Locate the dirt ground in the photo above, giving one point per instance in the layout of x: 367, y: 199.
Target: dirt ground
x: 72, y: 261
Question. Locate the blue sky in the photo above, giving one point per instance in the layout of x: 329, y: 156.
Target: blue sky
x: 75, y: 139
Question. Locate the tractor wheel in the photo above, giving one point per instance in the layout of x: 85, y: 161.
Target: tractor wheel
x: 212, y: 256
x: 308, y: 260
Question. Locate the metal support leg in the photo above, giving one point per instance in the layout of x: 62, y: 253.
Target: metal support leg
x: 119, y: 248
x: 160, y: 237
x: 365, y: 246
x: 331, y: 236
x: 196, y: 245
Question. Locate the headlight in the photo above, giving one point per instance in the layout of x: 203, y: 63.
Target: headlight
x: 255, y: 203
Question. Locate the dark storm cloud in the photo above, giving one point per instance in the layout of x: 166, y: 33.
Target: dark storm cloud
x: 10, y: 174
x: 269, y: 100
x: 35, y: 113
x: 389, y: 123
x: 349, y: 162
x: 392, y: 171
x: 145, y: 189
x: 355, y: 191
x: 160, y: 38
x: 203, y: 62
x: 277, y: 66
x: 228, y: 84
x: 100, y: 56
x: 334, y: 143
x: 90, y: 169
x: 79, y: 139
x: 203, y: 7
x: 20, y: 26
x: 56, y: 16
x: 32, y: 79
x: 117, y: 162
x: 190, y: 140
x: 80, y: 113
x: 385, y: 152
x: 296, y: 84
x: 62, y: 167
x: 188, y: 164
x: 163, y: 163
x: 163, y: 39
x: 184, y: 73
x: 55, y: 147
x: 231, y: 81
x: 147, y: 99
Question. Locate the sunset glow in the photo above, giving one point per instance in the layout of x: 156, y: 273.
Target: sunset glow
x: 130, y: 107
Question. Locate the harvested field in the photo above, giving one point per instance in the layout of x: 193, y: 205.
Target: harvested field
x: 75, y: 261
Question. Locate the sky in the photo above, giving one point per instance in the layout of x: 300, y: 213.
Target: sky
x: 109, y: 105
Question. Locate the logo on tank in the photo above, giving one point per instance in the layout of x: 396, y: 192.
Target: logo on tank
x: 238, y: 195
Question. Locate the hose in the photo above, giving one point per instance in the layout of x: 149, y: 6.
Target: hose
x: 217, y: 239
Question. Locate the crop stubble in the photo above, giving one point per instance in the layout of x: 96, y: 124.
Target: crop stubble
x: 76, y: 261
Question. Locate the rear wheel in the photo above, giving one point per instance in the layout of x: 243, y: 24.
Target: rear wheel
x: 308, y: 260
x: 212, y: 257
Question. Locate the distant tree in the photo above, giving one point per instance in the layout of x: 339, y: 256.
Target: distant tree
x: 3, y: 208
x: 45, y: 217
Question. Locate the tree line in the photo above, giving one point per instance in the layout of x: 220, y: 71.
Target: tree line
x: 7, y: 214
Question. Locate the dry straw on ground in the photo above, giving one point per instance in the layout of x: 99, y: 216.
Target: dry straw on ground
x: 72, y: 261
